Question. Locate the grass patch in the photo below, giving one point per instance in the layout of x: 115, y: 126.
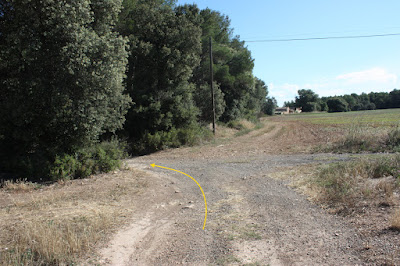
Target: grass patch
x: 244, y: 127
x: 227, y: 260
x: 59, y: 223
x: 345, y: 183
x: 396, y: 220
x: 266, y: 131
x: 357, y: 131
x: 19, y: 185
x: 364, y: 137
x: 376, y: 118
x: 247, y: 232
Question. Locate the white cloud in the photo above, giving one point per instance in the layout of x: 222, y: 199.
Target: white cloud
x: 284, y: 92
x: 376, y: 75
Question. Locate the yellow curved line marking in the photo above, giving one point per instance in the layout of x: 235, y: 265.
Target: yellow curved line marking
x: 205, y: 201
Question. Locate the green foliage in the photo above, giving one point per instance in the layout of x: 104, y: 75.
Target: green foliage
x: 164, y: 49
x: 394, y: 98
x: 307, y: 100
x: 235, y: 124
x: 62, y: 68
x: 337, y: 105
x: 232, y: 65
x: 102, y: 157
x: 168, y: 75
x: 270, y: 106
x: 202, y: 98
x: 190, y: 135
x: 394, y: 137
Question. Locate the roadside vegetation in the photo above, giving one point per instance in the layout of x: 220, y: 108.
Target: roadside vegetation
x: 60, y: 223
x: 348, y: 184
x: 132, y: 70
x: 360, y: 187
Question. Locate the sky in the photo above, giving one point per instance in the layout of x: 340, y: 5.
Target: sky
x: 328, y: 67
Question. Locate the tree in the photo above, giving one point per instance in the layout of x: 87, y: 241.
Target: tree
x: 270, y: 106
x: 164, y: 50
x: 395, y: 98
x: 62, y: 68
x: 202, y: 98
x: 257, y: 97
x: 380, y: 99
x: 232, y: 64
x: 290, y: 104
x: 337, y: 104
x: 307, y: 100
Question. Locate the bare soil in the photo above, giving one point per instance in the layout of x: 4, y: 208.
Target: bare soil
x: 253, y: 219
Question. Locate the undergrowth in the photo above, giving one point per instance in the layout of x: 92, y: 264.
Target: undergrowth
x: 101, y: 158
x: 54, y: 242
x: 174, y: 138
x: 365, y: 138
x: 344, y: 182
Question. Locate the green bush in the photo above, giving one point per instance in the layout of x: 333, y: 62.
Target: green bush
x: 191, y: 135
x: 235, y: 124
x: 65, y: 167
x: 394, y: 137
x: 102, y: 157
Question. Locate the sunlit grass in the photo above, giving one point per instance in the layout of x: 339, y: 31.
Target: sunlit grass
x: 375, y: 118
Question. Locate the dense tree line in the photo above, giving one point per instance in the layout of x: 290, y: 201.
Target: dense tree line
x: 309, y: 101
x: 78, y: 73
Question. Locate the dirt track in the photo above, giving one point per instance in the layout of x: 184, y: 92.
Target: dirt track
x: 251, y: 217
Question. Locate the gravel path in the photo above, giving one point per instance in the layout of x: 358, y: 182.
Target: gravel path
x: 252, y: 219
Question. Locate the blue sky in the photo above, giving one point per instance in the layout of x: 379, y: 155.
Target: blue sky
x: 328, y: 67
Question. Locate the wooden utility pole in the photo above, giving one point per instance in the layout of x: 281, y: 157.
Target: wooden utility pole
x: 212, y: 86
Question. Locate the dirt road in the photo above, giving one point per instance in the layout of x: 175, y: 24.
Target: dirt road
x: 252, y: 219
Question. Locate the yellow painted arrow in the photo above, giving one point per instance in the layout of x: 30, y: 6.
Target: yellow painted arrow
x: 205, y: 201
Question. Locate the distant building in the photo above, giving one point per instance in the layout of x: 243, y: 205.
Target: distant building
x: 296, y: 110
x: 287, y: 110
x: 282, y: 110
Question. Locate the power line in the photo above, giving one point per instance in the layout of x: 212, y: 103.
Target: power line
x: 328, y: 38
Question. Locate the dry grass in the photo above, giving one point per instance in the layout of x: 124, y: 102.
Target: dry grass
x: 59, y: 223
x: 345, y: 185
x: 396, y: 220
x: 20, y: 185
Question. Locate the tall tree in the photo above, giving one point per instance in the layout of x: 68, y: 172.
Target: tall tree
x: 395, y: 98
x: 61, y: 68
x: 232, y: 64
x: 307, y: 100
x: 164, y: 50
x: 337, y: 104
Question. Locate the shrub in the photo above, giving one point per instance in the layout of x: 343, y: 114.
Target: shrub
x: 191, y: 135
x: 341, y: 182
x: 102, y: 157
x: 235, y: 124
x: 394, y: 137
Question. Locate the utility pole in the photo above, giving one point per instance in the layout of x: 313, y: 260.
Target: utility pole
x: 212, y: 86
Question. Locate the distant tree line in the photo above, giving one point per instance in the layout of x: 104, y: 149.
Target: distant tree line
x: 78, y: 73
x: 309, y: 101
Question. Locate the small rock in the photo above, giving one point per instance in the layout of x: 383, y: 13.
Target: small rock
x: 177, y: 191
